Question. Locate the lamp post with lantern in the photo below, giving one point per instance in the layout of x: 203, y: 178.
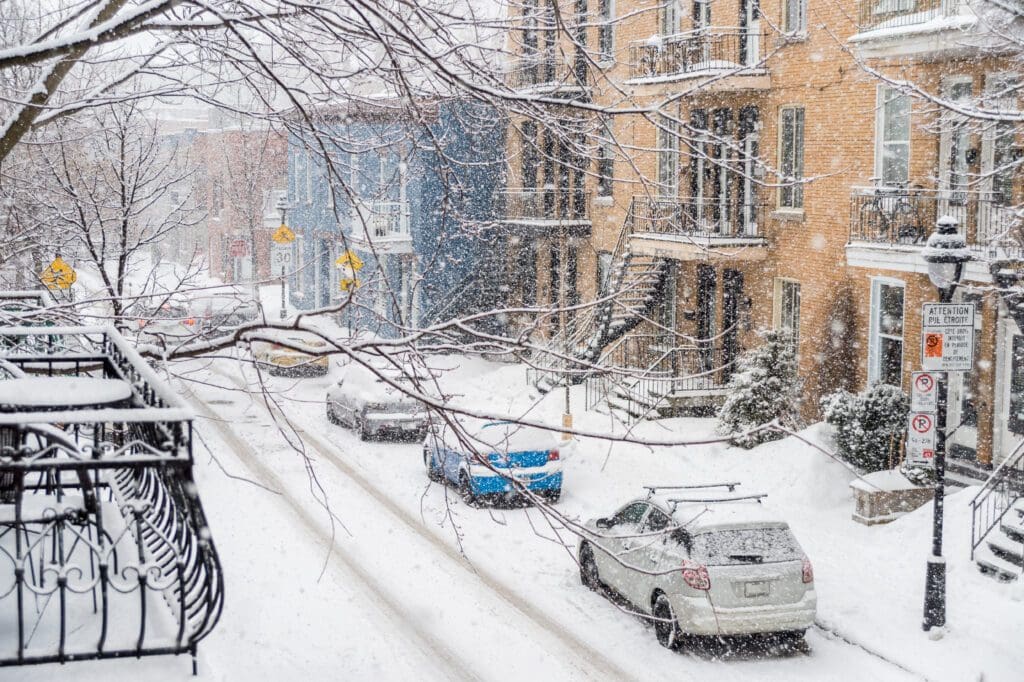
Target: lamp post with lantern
x: 945, y: 253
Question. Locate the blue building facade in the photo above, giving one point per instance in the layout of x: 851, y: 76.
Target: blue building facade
x: 409, y: 190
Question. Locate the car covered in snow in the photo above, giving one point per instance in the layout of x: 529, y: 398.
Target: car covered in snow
x: 284, y: 358
x: 221, y: 308
x: 368, y: 400
x: 494, y: 460
x: 702, y: 560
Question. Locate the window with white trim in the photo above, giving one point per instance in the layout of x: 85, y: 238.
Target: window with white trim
x: 794, y: 17
x: 668, y: 158
x: 892, y: 137
x: 606, y: 30
x: 791, y: 157
x: 787, y: 307
x: 885, y: 337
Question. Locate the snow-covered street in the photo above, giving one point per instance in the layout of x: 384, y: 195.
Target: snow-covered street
x: 407, y: 581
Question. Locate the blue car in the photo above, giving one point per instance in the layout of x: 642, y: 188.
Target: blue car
x: 487, y: 460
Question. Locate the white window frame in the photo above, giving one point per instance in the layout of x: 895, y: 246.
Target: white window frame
x: 798, y: 190
x: 800, y: 29
x: 668, y: 158
x: 949, y: 124
x: 777, y: 321
x: 880, y: 141
x: 874, y: 327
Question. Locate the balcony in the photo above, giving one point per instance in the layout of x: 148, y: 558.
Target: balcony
x: 689, y: 228
x: 547, y: 75
x: 888, y: 226
x: 545, y: 209
x: 385, y: 224
x: 899, y: 28
x: 734, y: 53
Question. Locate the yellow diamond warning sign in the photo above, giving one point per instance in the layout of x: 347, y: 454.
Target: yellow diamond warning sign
x: 348, y: 283
x: 349, y: 259
x: 283, y: 235
x: 58, y: 275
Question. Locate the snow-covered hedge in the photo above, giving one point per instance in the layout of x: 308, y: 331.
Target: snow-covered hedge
x: 868, y: 425
x: 764, y: 389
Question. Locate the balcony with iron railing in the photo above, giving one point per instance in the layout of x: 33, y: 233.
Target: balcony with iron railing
x: 907, y: 216
x: 384, y: 223
x: 709, y: 218
x: 544, y: 207
x: 915, y: 27
x: 547, y: 73
x: 700, y: 52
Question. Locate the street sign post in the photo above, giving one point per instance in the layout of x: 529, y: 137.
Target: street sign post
x: 947, y: 337
x: 923, y: 393
x: 921, y: 439
x: 281, y: 254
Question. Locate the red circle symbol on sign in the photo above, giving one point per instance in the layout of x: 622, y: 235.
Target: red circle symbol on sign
x: 922, y: 423
x: 924, y: 383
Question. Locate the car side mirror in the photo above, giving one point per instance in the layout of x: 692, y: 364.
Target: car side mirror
x: 604, y: 523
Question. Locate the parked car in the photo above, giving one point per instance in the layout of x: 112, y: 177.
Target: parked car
x: 280, y: 360
x: 363, y: 401
x: 167, y: 323
x: 221, y: 308
x: 513, y: 452
x: 702, y: 560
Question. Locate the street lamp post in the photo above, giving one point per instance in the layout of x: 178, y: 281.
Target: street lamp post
x: 282, y: 206
x: 946, y: 253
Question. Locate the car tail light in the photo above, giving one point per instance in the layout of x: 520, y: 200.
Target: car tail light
x: 696, y: 575
x: 553, y: 455
x: 808, y: 571
x: 190, y: 321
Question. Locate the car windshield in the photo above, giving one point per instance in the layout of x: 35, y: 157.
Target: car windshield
x: 746, y: 546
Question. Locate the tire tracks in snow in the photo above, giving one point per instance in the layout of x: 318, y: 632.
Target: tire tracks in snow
x: 592, y: 663
x: 432, y: 647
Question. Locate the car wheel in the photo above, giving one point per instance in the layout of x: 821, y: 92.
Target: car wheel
x: 554, y: 495
x: 466, y: 490
x: 666, y: 627
x: 331, y: 416
x: 433, y: 473
x: 588, y: 569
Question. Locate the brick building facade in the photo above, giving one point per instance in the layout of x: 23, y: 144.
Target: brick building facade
x: 775, y: 169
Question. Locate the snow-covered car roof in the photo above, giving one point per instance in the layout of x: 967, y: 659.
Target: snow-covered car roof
x: 504, y: 436
x: 365, y: 384
x: 722, y: 513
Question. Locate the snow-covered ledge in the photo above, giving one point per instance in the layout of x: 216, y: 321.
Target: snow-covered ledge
x: 908, y: 258
x: 884, y: 496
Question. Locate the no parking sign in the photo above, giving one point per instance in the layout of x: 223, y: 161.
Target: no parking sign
x: 923, y: 392
x: 921, y: 439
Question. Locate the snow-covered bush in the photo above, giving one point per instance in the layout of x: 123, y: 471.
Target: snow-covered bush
x: 868, y: 425
x: 764, y: 389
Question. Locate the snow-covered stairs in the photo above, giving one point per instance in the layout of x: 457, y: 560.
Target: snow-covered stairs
x: 1002, y: 552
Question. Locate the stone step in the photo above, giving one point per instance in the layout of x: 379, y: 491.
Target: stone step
x: 991, y: 564
x: 1005, y: 548
x: 975, y: 473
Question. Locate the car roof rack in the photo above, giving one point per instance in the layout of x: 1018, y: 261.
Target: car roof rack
x: 652, y: 489
x: 718, y: 498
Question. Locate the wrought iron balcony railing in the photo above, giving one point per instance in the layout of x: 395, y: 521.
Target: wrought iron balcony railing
x: 896, y: 215
x: 885, y: 14
x: 385, y: 220
x: 543, y: 205
x: 696, y: 51
x: 105, y: 551
x: 708, y: 217
x: 547, y: 72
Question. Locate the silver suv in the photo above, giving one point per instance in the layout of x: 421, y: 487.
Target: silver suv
x: 702, y: 560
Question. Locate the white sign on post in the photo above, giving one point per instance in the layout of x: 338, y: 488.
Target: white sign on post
x: 923, y: 392
x: 947, y: 337
x: 280, y: 257
x: 921, y: 439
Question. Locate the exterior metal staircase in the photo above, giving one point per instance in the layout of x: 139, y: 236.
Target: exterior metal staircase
x: 997, y: 521
x: 636, y: 286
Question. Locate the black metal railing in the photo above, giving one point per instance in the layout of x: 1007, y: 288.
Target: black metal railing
x: 547, y: 72
x: 1001, y: 490
x: 897, y: 215
x: 878, y: 14
x: 105, y: 551
x: 544, y: 205
x: 689, y: 217
x: 696, y: 51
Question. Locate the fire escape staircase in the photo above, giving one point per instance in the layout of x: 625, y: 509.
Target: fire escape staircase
x: 635, y: 288
x: 997, y: 520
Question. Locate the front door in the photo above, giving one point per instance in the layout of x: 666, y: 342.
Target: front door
x: 732, y: 299
x: 1009, y: 390
x: 962, y: 410
x: 750, y: 22
x: 706, y: 291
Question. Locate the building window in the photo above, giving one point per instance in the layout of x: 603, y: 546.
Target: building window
x: 885, y: 349
x: 787, y: 308
x: 606, y: 30
x: 794, y: 17
x: 604, y: 272
x: 1015, y: 422
x: 529, y: 158
x: 701, y: 14
x: 791, y: 157
x: 605, y: 161
x: 892, y: 137
x: 670, y: 18
x: 668, y: 158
